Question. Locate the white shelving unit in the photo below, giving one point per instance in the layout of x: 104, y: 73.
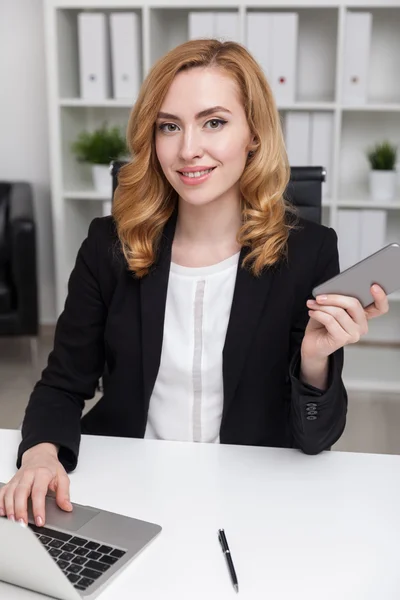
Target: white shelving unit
x: 164, y: 24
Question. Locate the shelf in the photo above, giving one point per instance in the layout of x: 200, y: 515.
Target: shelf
x: 371, y: 385
x: 107, y: 103
x: 312, y: 106
x: 368, y: 204
x: 86, y: 195
x: 371, y: 368
x: 383, y: 107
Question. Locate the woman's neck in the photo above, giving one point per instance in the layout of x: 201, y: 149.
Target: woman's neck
x: 207, y: 234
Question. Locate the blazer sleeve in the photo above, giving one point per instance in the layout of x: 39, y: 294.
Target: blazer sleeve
x: 75, y: 364
x: 317, y: 418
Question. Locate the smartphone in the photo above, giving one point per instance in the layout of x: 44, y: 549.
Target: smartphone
x: 382, y: 267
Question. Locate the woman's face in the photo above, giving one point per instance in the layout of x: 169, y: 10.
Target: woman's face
x: 202, y: 136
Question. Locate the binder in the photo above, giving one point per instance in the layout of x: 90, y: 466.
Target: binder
x: 106, y: 208
x: 373, y: 231
x: 297, y: 138
x: 220, y: 25
x: 283, y: 33
x: 258, y: 39
x: 200, y: 25
x: 94, y: 56
x: 226, y: 26
x: 125, y: 54
x: 321, y: 145
x: 357, y: 44
x: 349, y: 237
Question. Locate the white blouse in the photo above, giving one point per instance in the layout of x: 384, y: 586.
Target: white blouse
x: 187, y: 399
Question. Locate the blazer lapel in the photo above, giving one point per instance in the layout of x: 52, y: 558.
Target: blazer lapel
x: 153, y: 295
x: 249, y: 299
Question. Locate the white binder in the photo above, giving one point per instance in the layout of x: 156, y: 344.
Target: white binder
x: 125, y: 54
x: 200, y: 25
x: 226, y: 26
x: 106, y: 208
x: 349, y: 237
x: 297, y: 138
x: 94, y: 56
x: 284, y: 34
x: 321, y: 145
x: 373, y: 231
x: 357, y: 43
x: 220, y: 25
x: 258, y: 39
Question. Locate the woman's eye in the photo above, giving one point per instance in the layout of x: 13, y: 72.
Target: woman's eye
x: 216, y: 123
x: 172, y: 128
x: 168, y: 127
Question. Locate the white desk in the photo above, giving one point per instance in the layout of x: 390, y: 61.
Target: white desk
x: 323, y: 527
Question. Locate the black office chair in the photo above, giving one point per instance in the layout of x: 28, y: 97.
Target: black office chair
x: 304, y: 189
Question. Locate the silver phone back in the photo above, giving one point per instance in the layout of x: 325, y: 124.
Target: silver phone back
x: 382, y: 267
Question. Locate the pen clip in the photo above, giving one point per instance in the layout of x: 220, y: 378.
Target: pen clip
x: 222, y: 540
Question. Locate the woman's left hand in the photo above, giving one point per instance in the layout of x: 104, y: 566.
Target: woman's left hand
x: 336, y: 321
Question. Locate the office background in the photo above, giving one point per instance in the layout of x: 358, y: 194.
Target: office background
x: 30, y: 134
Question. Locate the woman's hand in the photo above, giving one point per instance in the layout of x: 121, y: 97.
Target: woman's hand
x: 336, y: 321
x: 40, y: 470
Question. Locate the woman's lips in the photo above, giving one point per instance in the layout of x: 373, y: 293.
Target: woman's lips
x: 195, y: 180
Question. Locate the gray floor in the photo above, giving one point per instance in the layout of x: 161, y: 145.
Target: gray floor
x: 373, y: 423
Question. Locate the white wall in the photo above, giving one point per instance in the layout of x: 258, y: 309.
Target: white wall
x: 23, y: 125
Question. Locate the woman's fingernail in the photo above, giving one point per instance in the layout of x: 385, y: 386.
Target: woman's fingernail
x: 11, y: 518
x: 39, y: 521
x: 375, y: 288
x: 21, y: 521
x: 321, y: 298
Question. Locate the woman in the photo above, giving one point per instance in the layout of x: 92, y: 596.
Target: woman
x: 196, y: 294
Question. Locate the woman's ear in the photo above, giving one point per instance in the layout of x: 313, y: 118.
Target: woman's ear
x: 252, y: 146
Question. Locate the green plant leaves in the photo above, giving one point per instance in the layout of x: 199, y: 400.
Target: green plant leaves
x: 382, y: 157
x: 101, y: 146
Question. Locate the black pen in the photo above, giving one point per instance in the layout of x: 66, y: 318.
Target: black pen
x: 227, y: 553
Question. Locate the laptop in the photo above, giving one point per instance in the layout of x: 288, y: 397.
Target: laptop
x: 75, y: 554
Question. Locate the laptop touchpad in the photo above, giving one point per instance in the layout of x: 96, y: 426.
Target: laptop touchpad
x: 59, y: 519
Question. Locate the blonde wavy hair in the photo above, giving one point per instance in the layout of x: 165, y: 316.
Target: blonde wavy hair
x: 145, y: 200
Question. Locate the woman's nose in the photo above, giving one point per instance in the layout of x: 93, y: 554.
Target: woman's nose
x: 191, y: 146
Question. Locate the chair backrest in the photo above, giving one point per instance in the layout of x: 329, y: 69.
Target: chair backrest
x: 304, y: 189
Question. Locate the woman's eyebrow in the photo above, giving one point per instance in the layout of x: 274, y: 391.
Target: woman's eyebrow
x: 200, y: 115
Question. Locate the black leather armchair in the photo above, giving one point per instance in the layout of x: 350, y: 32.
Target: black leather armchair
x: 304, y: 189
x: 18, y: 275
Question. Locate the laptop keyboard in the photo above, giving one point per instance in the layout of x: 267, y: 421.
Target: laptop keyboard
x: 82, y: 561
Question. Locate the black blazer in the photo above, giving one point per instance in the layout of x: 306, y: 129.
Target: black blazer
x: 111, y: 317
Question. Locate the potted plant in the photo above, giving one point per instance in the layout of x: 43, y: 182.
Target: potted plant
x: 99, y: 148
x: 382, y: 177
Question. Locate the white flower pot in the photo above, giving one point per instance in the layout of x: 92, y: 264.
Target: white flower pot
x: 102, y: 179
x: 382, y: 185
